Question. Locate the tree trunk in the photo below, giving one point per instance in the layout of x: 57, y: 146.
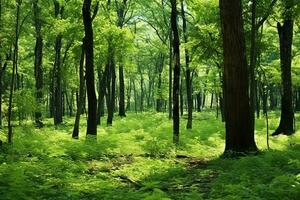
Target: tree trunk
x: 58, y: 110
x: 89, y: 68
x: 176, y: 83
x: 187, y: 72
x: 142, y: 93
x: 122, y: 92
x: 239, y: 132
x: 199, y: 102
x: 38, y: 63
x: 75, y: 134
x: 170, y: 74
x: 252, y: 67
x: 285, y: 32
x: 15, y: 63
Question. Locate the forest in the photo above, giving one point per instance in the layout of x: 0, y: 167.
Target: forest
x: 149, y: 99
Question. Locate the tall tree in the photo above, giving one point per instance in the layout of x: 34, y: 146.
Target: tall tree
x: 187, y: 69
x: 176, y: 83
x: 89, y: 65
x: 15, y: 63
x: 38, y: 61
x: 285, y: 33
x: 57, y: 85
x: 121, y: 19
x: 75, y: 134
x: 239, y: 134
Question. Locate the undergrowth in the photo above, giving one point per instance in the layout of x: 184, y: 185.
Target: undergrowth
x: 135, y: 159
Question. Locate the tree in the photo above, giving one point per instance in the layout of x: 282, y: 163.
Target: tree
x: 239, y: 135
x: 285, y: 33
x: 176, y: 83
x: 38, y: 61
x: 57, y: 85
x: 75, y: 134
x: 15, y: 63
x: 187, y: 71
x: 89, y: 65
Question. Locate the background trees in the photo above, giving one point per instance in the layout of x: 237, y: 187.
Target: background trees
x: 129, y: 60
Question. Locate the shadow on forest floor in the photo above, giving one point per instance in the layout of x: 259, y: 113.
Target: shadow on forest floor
x: 135, y: 159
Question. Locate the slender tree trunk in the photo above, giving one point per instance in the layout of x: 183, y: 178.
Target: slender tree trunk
x: 128, y: 105
x: 285, y: 32
x: 253, y: 64
x: 170, y: 75
x: 239, y: 132
x: 187, y: 72
x: 142, y: 93
x: 176, y: 84
x: 15, y: 63
x: 181, y: 98
x: 89, y: 68
x: 199, y: 102
x: 122, y: 92
x: 38, y: 63
x: 75, y: 134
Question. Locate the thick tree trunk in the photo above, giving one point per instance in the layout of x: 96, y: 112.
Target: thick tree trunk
x: 187, y: 72
x: 239, y: 132
x: 176, y: 84
x: 57, y: 87
x: 285, y: 32
x: 58, y: 112
x: 89, y: 68
x: 38, y: 63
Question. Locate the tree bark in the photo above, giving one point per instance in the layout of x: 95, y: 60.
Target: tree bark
x: 75, y: 134
x: 89, y: 68
x: 285, y: 32
x: 239, y: 133
x: 187, y: 72
x: 57, y: 87
x: 253, y: 64
x: 170, y: 75
x: 176, y: 83
x: 38, y: 63
x: 15, y: 63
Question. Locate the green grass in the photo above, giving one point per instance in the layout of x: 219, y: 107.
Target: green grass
x: 135, y: 159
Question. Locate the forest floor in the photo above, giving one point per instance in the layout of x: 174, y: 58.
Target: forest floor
x: 135, y: 159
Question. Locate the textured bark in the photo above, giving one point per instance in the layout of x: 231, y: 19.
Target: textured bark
x: 38, y: 72
x: 57, y: 86
x: 89, y: 68
x: 239, y: 133
x: 176, y: 83
x: 285, y: 32
x: 187, y: 72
